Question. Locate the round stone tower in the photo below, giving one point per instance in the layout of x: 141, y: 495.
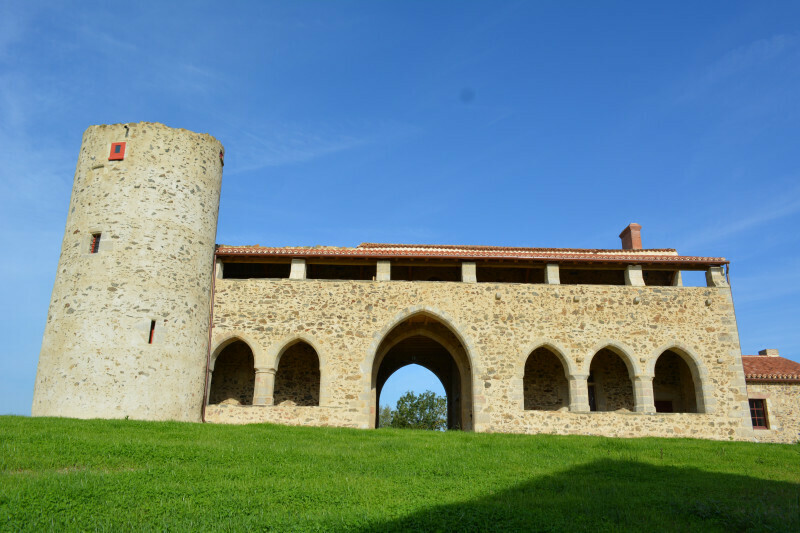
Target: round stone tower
x: 127, y: 330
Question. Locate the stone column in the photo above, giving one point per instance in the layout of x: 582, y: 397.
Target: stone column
x: 298, y: 269
x: 384, y: 271
x: 468, y: 273
x: 578, y: 393
x: 633, y: 276
x: 715, y: 277
x: 551, y: 274
x: 218, y: 269
x: 643, y: 394
x: 265, y: 386
x: 677, y: 279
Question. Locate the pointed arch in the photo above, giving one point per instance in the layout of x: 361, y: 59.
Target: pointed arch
x: 570, y: 368
x: 275, y: 352
x: 625, y: 353
x: 224, y: 339
x: 611, y: 373
x: 232, y: 372
x: 441, y: 348
x: 696, y: 397
x: 545, y: 379
x: 298, y: 374
x: 408, y: 313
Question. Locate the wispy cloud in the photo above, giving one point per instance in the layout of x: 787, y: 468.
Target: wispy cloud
x: 787, y: 205
x: 737, y: 62
x: 290, y: 145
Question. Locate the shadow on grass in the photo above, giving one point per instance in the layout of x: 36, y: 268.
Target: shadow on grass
x: 611, y: 495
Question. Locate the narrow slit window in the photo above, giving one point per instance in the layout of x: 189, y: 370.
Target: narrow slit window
x: 152, y: 331
x: 95, y: 246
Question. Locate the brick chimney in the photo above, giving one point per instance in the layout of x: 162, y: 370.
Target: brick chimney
x: 631, y: 237
x: 769, y: 352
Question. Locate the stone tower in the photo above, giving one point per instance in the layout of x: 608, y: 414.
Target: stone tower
x: 128, y: 326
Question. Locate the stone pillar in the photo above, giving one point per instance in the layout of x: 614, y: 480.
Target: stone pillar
x: 218, y: 269
x: 265, y: 386
x: 468, y: 273
x: 715, y: 277
x: 677, y: 279
x: 633, y: 276
x: 578, y: 393
x: 298, y: 269
x: 551, y: 274
x: 643, y: 394
x: 384, y: 272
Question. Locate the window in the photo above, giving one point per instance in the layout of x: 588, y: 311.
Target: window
x: 758, y: 413
x: 94, y: 247
x: 117, y: 152
x: 152, y: 331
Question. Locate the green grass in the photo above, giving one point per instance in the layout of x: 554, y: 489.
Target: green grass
x: 60, y: 474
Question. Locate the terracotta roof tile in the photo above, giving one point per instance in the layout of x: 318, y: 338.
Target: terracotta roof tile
x: 456, y: 252
x: 766, y: 368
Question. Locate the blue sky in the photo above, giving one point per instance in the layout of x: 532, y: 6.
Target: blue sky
x: 505, y: 123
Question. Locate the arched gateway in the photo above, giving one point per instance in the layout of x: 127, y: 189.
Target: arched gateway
x: 425, y: 340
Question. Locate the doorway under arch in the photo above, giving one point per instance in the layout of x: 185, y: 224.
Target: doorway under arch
x: 425, y: 341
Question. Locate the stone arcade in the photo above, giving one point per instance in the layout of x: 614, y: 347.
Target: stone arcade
x: 150, y: 319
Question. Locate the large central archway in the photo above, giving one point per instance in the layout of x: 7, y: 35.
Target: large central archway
x: 425, y: 341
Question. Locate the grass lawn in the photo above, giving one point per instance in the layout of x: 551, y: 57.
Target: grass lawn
x: 60, y: 474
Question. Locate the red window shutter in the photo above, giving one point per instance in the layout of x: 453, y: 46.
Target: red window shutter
x: 117, y: 152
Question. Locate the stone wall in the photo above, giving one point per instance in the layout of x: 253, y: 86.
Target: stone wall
x: 156, y: 213
x: 499, y: 326
x: 783, y: 411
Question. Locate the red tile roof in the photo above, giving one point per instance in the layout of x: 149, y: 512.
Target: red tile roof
x: 663, y: 256
x: 766, y: 368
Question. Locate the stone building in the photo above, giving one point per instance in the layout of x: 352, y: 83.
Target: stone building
x: 150, y: 319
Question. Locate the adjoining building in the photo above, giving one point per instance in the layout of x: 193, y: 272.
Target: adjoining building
x: 149, y: 319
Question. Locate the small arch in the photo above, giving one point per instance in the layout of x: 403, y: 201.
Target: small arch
x: 222, y: 340
x: 233, y: 376
x: 273, y: 356
x: 610, y: 382
x: 618, y: 348
x: 678, y: 380
x: 545, y: 382
x: 297, y: 376
x: 563, y: 355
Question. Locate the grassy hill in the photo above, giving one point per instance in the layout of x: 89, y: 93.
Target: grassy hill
x: 109, y: 475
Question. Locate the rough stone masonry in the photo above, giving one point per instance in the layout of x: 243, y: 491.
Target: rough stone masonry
x: 150, y: 319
